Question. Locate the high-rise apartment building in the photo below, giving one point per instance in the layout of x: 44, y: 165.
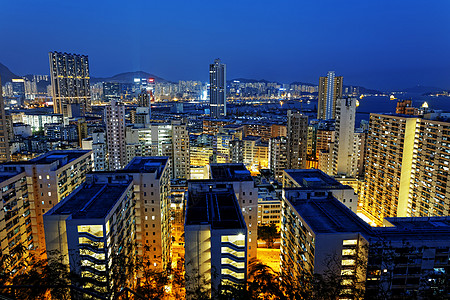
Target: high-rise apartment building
x: 90, y: 227
x: 278, y: 156
x: 315, y: 181
x: 51, y: 177
x: 5, y: 153
x: 111, y: 90
x: 297, y: 140
x: 360, y: 151
x: 321, y: 236
x: 217, y: 89
x: 215, y: 239
x: 180, y: 154
x: 151, y: 178
x: 344, y: 157
x: 70, y: 84
x: 15, y: 211
x: 161, y: 140
x: 251, y: 151
x: 407, y: 171
x: 100, y: 150
x: 409, y: 258
x: 151, y: 188
x: 114, y: 118
x: 330, y: 89
x: 141, y: 116
x: 247, y: 195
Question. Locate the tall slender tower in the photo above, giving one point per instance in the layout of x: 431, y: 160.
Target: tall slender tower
x: 344, y: 152
x: 217, y: 89
x: 297, y: 140
x: 115, y: 135
x: 5, y: 154
x: 70, y: 84
x: 330, y: 89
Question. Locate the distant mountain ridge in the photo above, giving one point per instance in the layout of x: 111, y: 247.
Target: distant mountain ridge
x: 128, y: 77
x: 6, y: 74
x: 246, y: 80
x: 419, y: 89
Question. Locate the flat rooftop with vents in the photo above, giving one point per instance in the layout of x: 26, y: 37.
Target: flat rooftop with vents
x: 311, y: 179
x: 91, y: 200
x: 62, y: 156
x: 148, y: 164
x: 208, y: 203
x: 232, y: 172
x: 327, y: 215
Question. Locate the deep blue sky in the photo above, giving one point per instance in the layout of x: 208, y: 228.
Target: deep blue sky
x: 383, y: 44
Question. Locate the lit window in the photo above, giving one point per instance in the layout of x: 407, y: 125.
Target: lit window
x: 349, y: 242
x: 348, y: 262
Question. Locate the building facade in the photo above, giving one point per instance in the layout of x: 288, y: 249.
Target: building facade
x: 114, y: 118
x: 330, y: 89
x: 407, y: 168
x: 15, y: 211
x: 90, y: 228
x: 217, y: 89
x: 344, y: 158
x: 51, y: 177
x: 70, y: 79
x: 278, y: 156
x: 297, y: 140
x: 215, y: 238
x: 247, y: 195
x: 5, y: 153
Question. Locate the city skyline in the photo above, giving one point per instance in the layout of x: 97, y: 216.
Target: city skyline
x: 379, y: 46
x: 320, y: 169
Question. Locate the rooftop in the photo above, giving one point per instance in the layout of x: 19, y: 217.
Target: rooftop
x: 5, y: 175
x: 213, y: 204
x: 63, y: 156
x: 314, y: 178
x: 235, y: 126
x: 230, y: 172
x: 328, y: 215
x: 251, y: 138
x: 37, y: 111
x: 149, y: 164
x: 91, y: 201
x: 416, y: 226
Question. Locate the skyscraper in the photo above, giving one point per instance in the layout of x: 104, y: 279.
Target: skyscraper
x: 217, y: 89
x: 330, y: 89
x: 297, y: 140
x: 4, y: 139
x: 70, y: 84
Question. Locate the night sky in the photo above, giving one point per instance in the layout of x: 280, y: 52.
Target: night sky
x: 379, y: 44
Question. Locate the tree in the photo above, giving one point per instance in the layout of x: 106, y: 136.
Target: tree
x: 263, y: 282
x: 268, y: 233
x: 40, y: 278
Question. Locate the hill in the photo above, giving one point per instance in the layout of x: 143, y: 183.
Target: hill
x: 128, y: 77
x: 419, y: 89
x: 6, y: 74
x: 246, y: 80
